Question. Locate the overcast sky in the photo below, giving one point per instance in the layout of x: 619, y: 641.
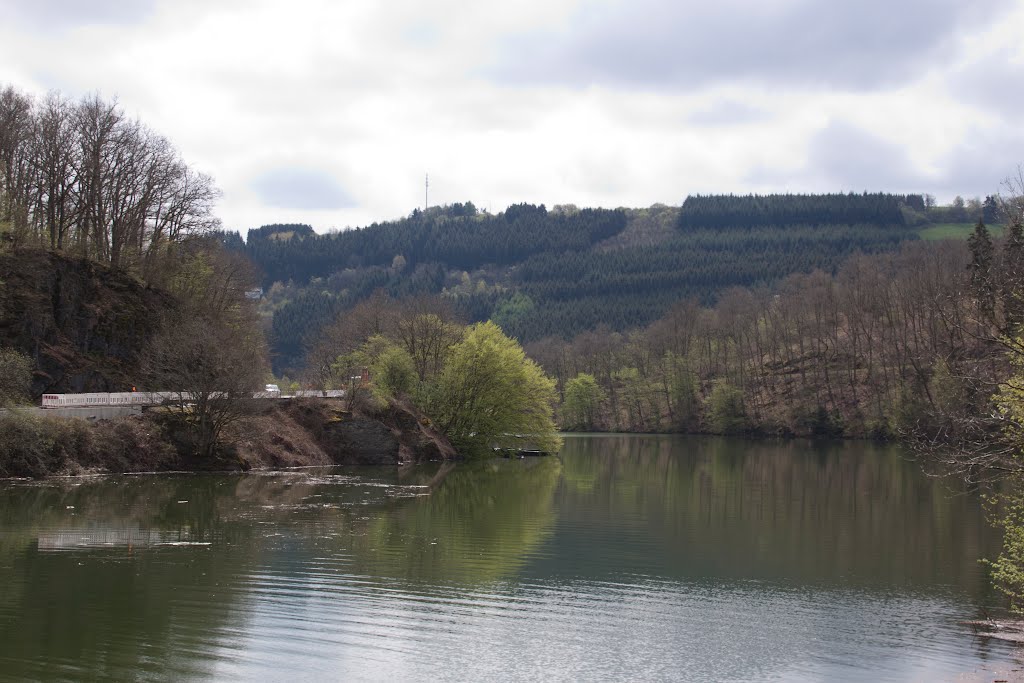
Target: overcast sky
x: 330, y: 112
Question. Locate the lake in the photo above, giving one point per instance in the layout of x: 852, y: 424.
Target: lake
x: 627, y: 557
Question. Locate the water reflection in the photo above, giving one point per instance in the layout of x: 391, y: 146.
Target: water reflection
x: 800, y: 512
x: 628, y: 557
x: 483, y: 524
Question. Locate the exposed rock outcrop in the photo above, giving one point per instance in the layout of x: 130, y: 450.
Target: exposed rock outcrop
x: 282, y: 433
x: 82, y: 323
x: 394, y: 435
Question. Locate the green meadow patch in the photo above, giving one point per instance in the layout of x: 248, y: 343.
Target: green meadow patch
x: 946, y: 231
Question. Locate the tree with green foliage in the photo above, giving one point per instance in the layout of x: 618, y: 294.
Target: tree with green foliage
x: 1006, y: 456
x: 379, y: 371
x: 489, y: 394
x: 1009, y: 399
x: 514, y: 310
x: 726, y: 412
x: 581, y: 407
x: 393, y: 372
x: 1008, y: 568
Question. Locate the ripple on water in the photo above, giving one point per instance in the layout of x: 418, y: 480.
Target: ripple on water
x: 655, y: 562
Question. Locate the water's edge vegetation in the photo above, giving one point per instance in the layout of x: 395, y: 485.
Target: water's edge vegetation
x: 275, y: 434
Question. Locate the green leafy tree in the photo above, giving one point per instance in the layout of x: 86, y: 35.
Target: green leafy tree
x: 1009, y: 400
x: 726, y: 413
x: 490, y: 394
x: 1008, y: 568
x: 380, y: 365
x: 582, y: 405
x: 512, y: 312
x: 393, y: 372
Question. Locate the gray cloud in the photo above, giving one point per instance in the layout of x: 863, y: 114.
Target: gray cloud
x: 842, y: 157
x: 993, y: 84
x: 61, y: 14
x: 664, y: 43
x: 728, y: 113
x: 978, y: 165
x: 301, y: 188
x: 853, y: 159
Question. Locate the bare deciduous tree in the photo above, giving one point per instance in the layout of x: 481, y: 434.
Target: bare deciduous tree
x: 85, y: 178
x: 212, y: 367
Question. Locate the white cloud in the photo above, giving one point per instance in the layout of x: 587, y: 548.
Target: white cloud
x: 373, y: 95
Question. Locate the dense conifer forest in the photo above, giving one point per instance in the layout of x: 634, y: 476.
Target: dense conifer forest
x: 748, y: 211
x: 560, y: 272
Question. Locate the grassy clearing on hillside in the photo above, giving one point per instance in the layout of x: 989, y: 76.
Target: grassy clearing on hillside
x: 947, y: 231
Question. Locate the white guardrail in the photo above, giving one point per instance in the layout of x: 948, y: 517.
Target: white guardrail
x: 155, y: 398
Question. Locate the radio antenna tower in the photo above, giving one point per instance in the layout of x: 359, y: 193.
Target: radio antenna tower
x: 426, y: 192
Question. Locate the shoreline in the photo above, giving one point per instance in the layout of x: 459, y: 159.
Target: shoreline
x: 302, y: 433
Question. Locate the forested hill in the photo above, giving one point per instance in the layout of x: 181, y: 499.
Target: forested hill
x: 749, y: 211
x: 540, y: 272
x: 455, y: 236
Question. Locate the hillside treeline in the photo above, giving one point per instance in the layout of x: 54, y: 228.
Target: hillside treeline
x: 84, y: 178
x: 747, y: 211
x: 456, y: 236
x: 561, y: 272
x: 891, y: 342
x: 630, y: 287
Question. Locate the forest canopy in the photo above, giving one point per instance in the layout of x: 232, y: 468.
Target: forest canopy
x: 475, y: 384
x: 566, y: 270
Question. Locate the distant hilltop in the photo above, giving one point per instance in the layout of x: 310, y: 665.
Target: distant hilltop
x: 542, y: 272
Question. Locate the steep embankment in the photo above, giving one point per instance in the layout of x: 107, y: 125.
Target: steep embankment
x: 84, y: 326
x: 303, y: 432
x: 279, y: 434
x: 82, y: 323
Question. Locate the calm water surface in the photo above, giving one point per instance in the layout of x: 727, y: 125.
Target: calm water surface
x: 629, y: 557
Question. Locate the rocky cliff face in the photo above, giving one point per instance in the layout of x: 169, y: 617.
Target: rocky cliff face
x: 82, y: 323
x: 298, y: 432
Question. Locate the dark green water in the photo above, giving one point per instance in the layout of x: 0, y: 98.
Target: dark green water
x: 629, y: 557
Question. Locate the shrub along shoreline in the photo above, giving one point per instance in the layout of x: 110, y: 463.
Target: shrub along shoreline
x: 279, y: 434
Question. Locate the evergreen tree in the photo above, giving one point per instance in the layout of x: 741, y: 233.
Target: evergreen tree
x: 982, y: 284
x: 1013, y: 276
